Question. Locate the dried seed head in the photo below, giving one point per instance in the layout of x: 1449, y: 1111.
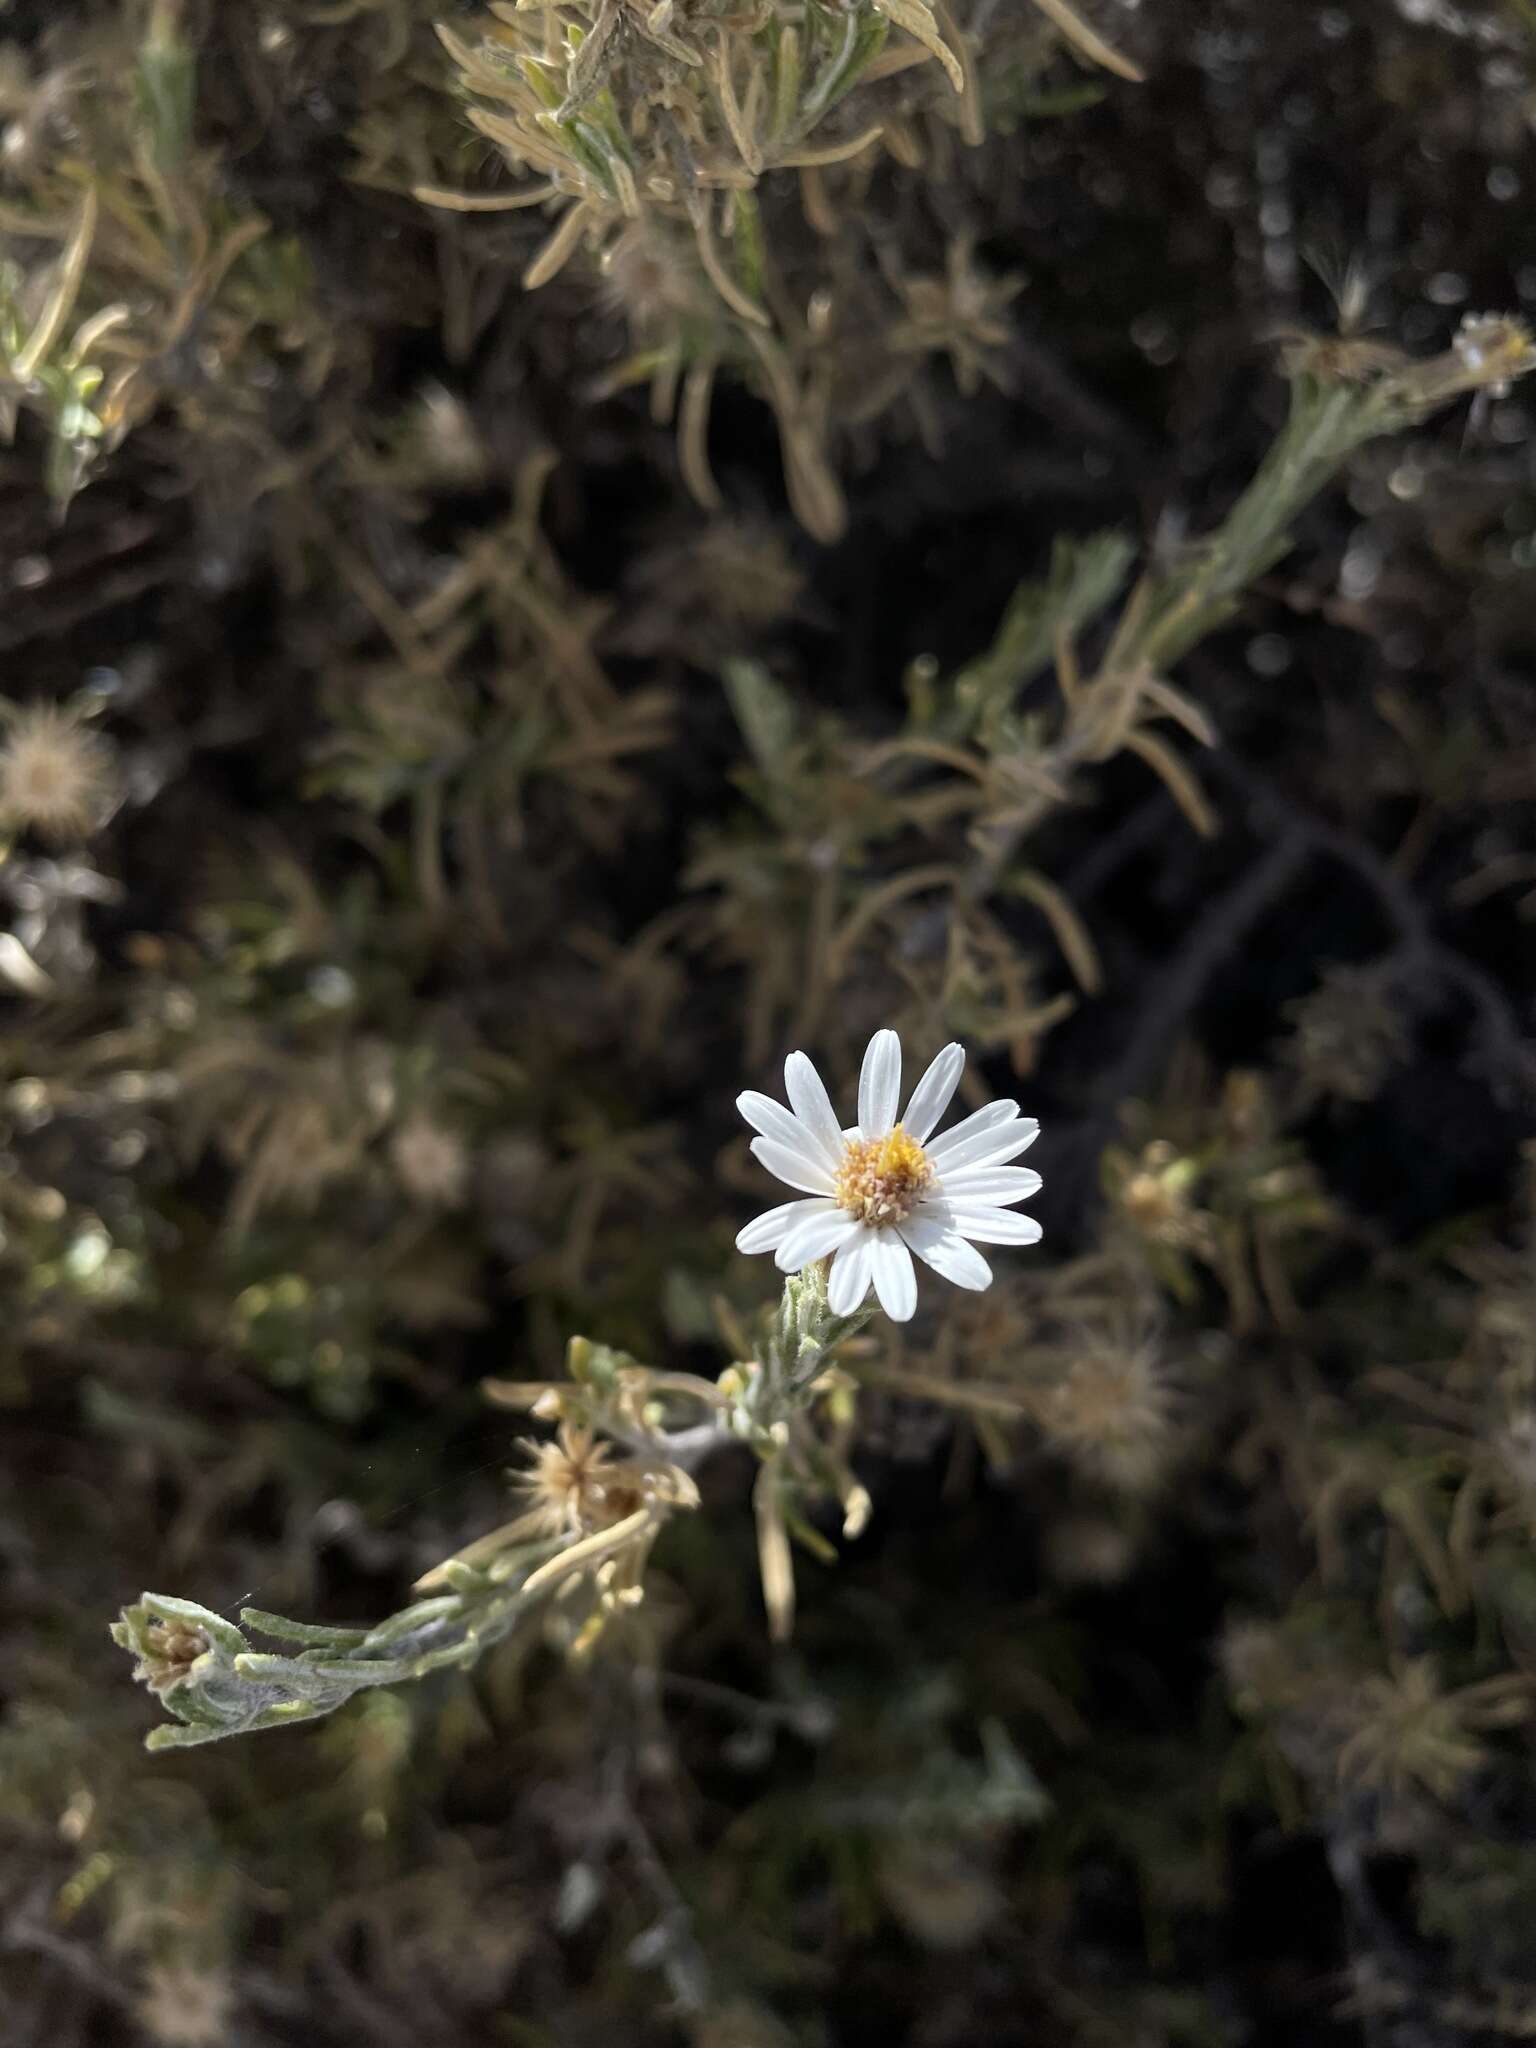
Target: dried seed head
x: 441, y: 438
x: 578, y: 1486
x: 183, y: 2007
x: 431, y: 1161
x: 1111, y: 1415
x: 56, y: 779
x: 1089, y: 1550
x: 1256, y: 1664
x: 963, y: 314
x: 1410, y: 1732
x: 751, y: 577
x: 651, y: 278
x: 1349, y: 1033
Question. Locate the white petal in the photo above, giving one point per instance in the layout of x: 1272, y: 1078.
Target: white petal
x: 895, y: 1280
x: 775, y: 1121
x: 986, y: 1119
x: 848, y: 1281
x: 932, y: 1095
x: 880, y: 1084
x: 809, y: 1100
x: 965, y: 1186
x: 938, y: 1244
x: 987, y: 1148
x: 995, y: 1226
x: 796, y: 1168
x: 765, y: 1232
x: 820, y: 1230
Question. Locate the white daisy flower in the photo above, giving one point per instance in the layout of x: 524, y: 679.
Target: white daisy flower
x: 882, y: 1189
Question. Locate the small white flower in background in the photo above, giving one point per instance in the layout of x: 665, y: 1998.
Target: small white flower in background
x: 882, y: 1189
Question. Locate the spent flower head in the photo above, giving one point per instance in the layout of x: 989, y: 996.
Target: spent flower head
x: 168, y: 1651
x: 882, y: 1188
x: 1349, y: 1032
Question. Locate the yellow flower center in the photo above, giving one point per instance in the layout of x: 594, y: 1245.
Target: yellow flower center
x: 882, y: 1180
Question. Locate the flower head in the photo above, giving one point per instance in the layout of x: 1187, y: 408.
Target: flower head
x: 883, y: 1189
